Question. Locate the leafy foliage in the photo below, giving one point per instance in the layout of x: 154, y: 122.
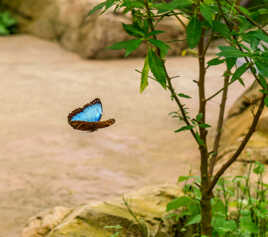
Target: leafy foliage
x: 237, y: 210
x: 7, y: 23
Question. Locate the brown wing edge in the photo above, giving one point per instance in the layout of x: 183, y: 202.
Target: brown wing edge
x: 91, y: 126
x: 78, y: 110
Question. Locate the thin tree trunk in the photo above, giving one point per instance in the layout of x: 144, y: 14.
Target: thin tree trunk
x: 206, y: 209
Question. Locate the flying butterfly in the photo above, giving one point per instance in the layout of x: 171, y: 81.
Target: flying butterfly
x: 88, y: 117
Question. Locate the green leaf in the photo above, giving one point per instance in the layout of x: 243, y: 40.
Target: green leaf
x: 251, y: 38
x: 184, y: 96
x: 263, y: 83
x: 155, y: 32
x: 231, y: 52
x: 109, y: 3
x: 3, y: 30
x: 239, y: 72
x: 259, y: 167
x: 144, y: 75
x: 218, y: 206
x: 222, y: 226
x: 230, y: 62
x: 260, y: 35
x: 133, y: 29
x: 193, y: 32
x: 199, y: 117
x: 182, y: 201
x: 262, y: 67
x: 133, y: 4
x: 181, y: 3
x: 183, y: 178
x: 207, y: 12
x: 172, y: 5
x: 246, y: 224
x: 199, y: 140
x: 188, y: 127
x: 215, y: 61
x: 194, y: 220
x: 96, y: 8
x: 7, y: 19
x: 222, y: 29
x: 129, y: 46
x: 160, y: 45
x: 266, y: 101
x: 132, y: 46
x: 204, y: 125
x: 157, y: 68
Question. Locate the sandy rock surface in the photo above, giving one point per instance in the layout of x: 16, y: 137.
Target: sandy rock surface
x: 148, y: 205
x: 45, y: 163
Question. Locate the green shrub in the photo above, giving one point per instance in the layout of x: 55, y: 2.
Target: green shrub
x: 7, y: 23
x: 239, y: 209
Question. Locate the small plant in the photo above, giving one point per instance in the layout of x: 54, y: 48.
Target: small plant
x: 117, y: 229
x: 207, y: 19
x: 7, y: 23
x: 239, y: 209
x: 139, y: 223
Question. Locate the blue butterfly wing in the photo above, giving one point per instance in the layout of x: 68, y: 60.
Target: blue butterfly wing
x: 91, y: 113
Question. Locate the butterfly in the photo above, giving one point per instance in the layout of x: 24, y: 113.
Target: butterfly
x: 88, y: 117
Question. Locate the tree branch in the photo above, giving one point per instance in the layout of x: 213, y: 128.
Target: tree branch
x: 202, y: 110
x: 241, y: 147
x: 219, y: 123
x: 170, y: 86
x: 247, y: 17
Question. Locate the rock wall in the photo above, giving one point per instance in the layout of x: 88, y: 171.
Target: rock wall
x: 68, y: 23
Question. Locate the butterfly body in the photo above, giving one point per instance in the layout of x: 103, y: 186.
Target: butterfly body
x: 88, y: 117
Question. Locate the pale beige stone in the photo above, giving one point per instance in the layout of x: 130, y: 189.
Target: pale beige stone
x: 43, y: 223
x: 68, y: 23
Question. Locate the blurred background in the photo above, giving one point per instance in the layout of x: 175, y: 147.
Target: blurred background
x: 54, y: 58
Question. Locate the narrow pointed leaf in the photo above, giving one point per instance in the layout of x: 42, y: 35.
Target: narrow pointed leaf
x: 133, y: 30
x: 207, y: 12
x: 199, y: 117
x: 193, y: 32
x: 144, y: 75
x: 96, y: 8
x: 215, y: 61
x: 262, y: 67
x: 161, y: 45
x: 155, y: 32
x: 133, y: 46
x: 129, y: 45
x: 222, y: 29
x: 199, y: 140
x: 184, y: 96
x: 230, y: 62
x: 188, y: 127
x: 239, y: 72
x: 157, y: 68
x: 204, y: 125
x: 231, y: 52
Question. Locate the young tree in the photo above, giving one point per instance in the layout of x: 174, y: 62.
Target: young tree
x: 207, y: 19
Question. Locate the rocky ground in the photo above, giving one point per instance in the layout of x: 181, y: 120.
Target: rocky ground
x: 44, y: 162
